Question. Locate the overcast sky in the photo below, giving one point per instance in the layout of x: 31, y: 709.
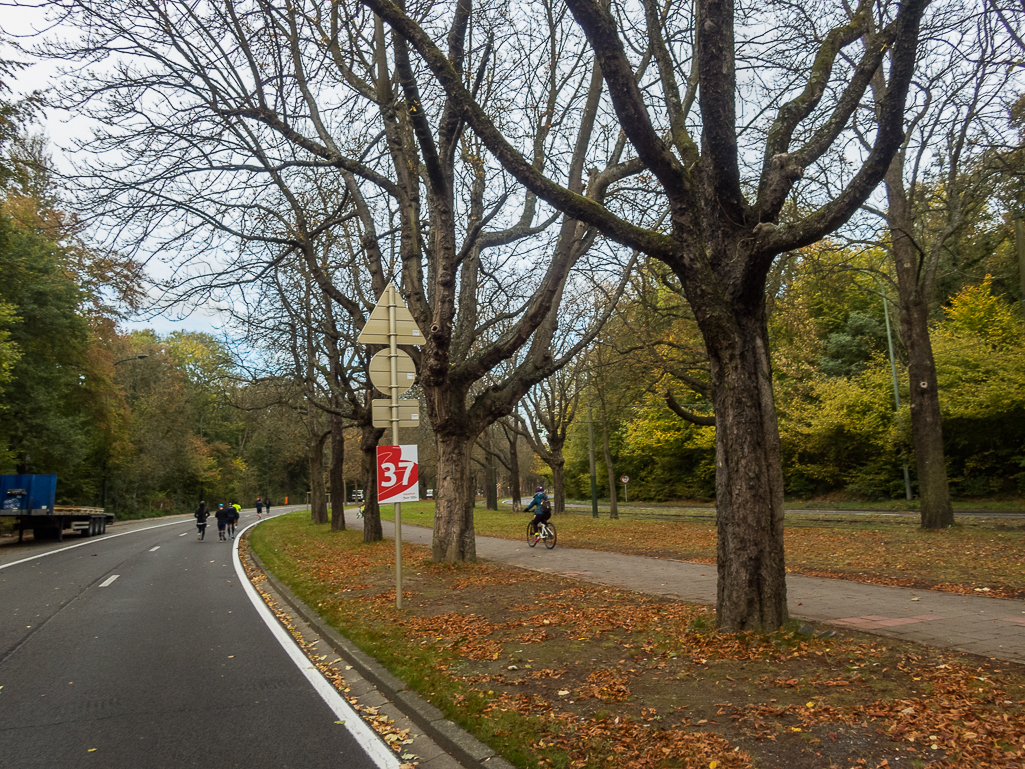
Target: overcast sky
x: 19, y: 22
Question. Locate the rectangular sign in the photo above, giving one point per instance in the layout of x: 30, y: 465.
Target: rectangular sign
x: 409, y: 413
x: 397, y: 474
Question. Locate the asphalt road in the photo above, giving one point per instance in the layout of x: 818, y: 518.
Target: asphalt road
x: 144, y: 649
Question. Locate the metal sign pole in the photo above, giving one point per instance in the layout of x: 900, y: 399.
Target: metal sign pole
x: 390, y: 323
x: 394, y: 351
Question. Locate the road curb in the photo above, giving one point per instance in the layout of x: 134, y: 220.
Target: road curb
x: 462, y: 746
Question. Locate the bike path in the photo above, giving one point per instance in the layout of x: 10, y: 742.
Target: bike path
x: 991, y: 627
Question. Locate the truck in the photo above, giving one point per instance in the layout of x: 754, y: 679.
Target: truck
x: 30, y: 500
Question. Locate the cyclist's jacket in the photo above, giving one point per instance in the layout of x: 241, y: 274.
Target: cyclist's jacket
x: 536, y: 502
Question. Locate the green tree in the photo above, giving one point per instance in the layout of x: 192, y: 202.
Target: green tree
x: 43, y: 428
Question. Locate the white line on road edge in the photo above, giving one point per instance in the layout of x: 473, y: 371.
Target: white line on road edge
x: 92, y: 541
x: 367, y: 738
x: 108, y: 582
x: 155, y: 548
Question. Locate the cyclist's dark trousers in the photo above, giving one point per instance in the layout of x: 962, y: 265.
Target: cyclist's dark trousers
x: 538, y: 519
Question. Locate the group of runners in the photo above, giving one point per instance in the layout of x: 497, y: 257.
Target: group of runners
x: 227, y: 517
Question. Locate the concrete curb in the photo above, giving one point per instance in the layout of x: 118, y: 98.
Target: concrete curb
x: 466, y: 749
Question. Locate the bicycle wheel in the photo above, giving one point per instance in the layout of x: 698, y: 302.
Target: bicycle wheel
x: 531, y: 537
x: 549, y: 536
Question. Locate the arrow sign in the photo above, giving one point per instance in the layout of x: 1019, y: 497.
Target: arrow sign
x: 397, y: 474
x: 376, y: 329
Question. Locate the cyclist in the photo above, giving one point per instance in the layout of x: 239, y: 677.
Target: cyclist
x: 543, y: 507
x: 201, y: 515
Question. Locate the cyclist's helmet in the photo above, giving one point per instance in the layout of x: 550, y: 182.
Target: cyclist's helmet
x: 540, y: 488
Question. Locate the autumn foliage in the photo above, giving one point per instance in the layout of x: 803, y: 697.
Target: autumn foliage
x: 556, y: 673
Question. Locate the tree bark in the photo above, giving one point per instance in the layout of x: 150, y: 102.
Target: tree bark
x: 558, y: 465
x: 751, y: 590
x: 337, y: 474
x: 318, y: 491
x: 369, y: 437
x: 490, y: 472
x: 926, y: 422
x: 514, y: 471
x: 453, y: 523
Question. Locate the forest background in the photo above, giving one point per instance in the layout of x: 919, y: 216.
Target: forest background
x: 145, y: 423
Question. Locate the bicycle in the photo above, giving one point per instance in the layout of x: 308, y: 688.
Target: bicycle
x: 545, y: 533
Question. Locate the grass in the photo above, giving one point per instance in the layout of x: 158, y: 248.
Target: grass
x: 556, y: 673
x: 977, y: 555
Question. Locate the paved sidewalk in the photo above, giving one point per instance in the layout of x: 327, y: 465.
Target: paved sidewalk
x: 991, y: 627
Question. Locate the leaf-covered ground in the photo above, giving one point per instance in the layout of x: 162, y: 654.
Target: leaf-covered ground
x: 976, y: 556
x: 556, y: 673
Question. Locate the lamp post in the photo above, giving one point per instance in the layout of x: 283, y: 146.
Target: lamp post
x: 134, y: 357
x: 893, y: 373
x: 106, y: 454
x: 1019, y: 237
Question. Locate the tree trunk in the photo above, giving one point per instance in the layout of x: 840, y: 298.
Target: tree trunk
x: 558, y: 484
x: 751, y: 591
x: 514, y: 472
x: 337, y: 474
x: 318, y: 491
x: 915, y: 278
x: 490, y: 473
x: 613, y: 496
x: 453, y: 519
x: 369, y: 438
x: 926, y: 423
x: 557, y: 462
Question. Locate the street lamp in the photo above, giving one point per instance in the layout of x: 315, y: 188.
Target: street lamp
x: 1019, y: 237
x: 106, y: 457
x: 134, y: 357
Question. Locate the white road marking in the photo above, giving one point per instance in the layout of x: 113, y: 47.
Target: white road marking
x: 184, y: 533
x: 156, y: 548
x: 109, y: 581
x: 93, y: 541
x: 367, y: 738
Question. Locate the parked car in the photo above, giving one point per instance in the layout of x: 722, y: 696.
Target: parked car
x: 430, y: 493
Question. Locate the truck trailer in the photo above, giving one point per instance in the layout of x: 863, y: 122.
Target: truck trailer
x: 30, y: 500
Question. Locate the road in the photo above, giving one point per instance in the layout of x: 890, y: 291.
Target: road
x: 146, y: 648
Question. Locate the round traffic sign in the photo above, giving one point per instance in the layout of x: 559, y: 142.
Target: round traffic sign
x: 625, y: 479
x: 380, y: 371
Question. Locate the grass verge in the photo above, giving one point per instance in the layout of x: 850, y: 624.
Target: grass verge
x: 556, y: 673
x: 978, y: 555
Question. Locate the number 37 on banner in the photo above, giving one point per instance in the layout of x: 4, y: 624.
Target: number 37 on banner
x: 397, y: 474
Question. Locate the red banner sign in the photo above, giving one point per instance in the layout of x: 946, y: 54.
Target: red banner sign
x: 397, y: 474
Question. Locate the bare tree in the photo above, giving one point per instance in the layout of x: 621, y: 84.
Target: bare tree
x: 253, y: 132
x: 803, y: 84
x: 935, y: 186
